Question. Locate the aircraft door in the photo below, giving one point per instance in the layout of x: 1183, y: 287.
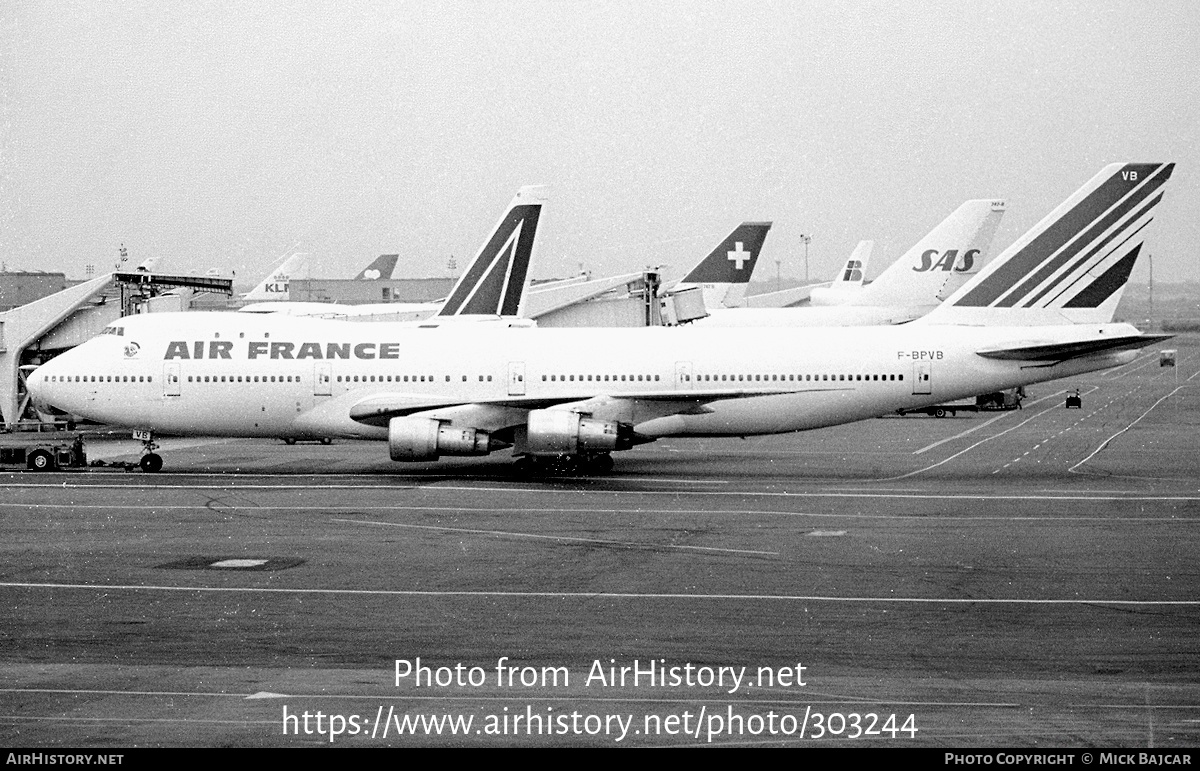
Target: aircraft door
x: 922, y: 374
x: 322, y: 379
x: 683, y: 375
x: 516, y: 378
x: 171, y: 378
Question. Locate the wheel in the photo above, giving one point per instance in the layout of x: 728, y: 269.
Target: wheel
x: 289, y: 440
x: 41, y: 460
x: 523, y: 465
x: 326, y: 440
x: 939, y: 413
x: 601, y: 464
x: 151, y: 462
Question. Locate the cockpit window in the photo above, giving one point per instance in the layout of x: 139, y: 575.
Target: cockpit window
x: 114, y: 330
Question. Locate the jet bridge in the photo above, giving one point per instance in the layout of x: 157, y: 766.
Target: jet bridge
x: 36, y: 332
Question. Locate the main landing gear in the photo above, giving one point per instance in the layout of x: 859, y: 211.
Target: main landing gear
x: 531, y: 465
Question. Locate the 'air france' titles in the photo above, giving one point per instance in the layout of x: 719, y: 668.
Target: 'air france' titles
x: 257, y: 349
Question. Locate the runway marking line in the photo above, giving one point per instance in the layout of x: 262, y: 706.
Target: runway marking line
x: 571, y: 539
x: 466, y: 696
x: 1117, y: 495
x: 658, y: 512
x: 985, y: 424
x: 595, y: 595
x: 1105, y: 443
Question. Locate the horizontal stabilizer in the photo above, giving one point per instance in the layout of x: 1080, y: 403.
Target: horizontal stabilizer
x: 1074, y: 350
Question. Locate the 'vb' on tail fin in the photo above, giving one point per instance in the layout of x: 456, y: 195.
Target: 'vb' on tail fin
x: 1071, y: 267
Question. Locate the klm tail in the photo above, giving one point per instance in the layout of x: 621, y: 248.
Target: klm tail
x: 1071, y: 267
x: 275, y: 285
x: 494, y: 283
x: 382, y: 267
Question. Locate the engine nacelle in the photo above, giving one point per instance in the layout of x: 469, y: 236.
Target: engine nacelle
x: 417, y: 439
x: 560, y: 432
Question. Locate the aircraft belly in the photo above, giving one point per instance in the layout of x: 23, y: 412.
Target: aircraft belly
x: 775, y: 414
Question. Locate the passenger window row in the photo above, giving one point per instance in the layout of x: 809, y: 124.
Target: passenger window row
x: 100, y: 379
x: 599, y: 378
x: 799, y: 378
x: 244, y: 378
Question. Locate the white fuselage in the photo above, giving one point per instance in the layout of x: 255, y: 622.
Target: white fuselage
x: 812, y: 316
x: 236, y: 374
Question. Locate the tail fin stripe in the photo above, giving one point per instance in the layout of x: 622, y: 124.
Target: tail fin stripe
x: 479, y: 292
x: 486, y: 296
x: 1058, y: 233
x: 1075, y: 269
x: 1106, y: 222
x: 1103, y: 287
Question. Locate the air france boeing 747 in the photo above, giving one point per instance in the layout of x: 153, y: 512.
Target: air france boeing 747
x: 1040, y: 311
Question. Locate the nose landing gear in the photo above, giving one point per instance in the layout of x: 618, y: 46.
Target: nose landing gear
x: 151, y: 461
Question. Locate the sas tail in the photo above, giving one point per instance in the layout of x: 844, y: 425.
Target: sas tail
x: 941, y: 262
x: 1071, y: 267
x: 494, y: 283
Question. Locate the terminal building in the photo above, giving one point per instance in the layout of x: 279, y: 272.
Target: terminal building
x: 58, y: 314
x: 44, y: 314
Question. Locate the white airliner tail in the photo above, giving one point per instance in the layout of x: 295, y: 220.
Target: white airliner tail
x: 275, y: 285
x: 725, y: 273
x: 495, y: 282
x: 940, y: 262
x: 848, y: 282
x: 1071, y: 267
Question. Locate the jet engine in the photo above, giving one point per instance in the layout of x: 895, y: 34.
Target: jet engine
x: 418, y: 439
x: 561, y: 432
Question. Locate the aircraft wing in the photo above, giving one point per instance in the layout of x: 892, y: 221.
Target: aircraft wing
x: 379, y: 409
x: 1059, y: 352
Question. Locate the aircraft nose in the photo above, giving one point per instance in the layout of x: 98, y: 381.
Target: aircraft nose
x: 40, y: 387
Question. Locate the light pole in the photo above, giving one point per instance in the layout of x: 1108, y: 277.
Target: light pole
x: 1150, y: 259
x: 804, y: 240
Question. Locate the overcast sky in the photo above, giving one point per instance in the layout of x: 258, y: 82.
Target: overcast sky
x: 224, y: 134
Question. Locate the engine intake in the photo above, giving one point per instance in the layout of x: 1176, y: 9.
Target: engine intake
x: 560, y: 432
x: 418, y: 439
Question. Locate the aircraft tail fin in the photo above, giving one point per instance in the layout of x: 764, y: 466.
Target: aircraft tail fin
x: 275, y: 285
x: 382, y: 267
x: 494, y: 283
x: 941, y: 261
x: 725, y: 272
x: 1071, y: 267
x: 849, y: 279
